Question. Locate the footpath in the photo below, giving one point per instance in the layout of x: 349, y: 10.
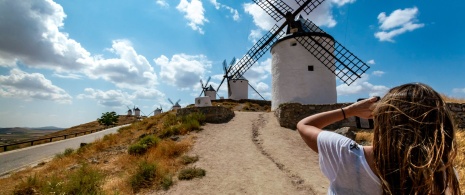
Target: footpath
x: 252, y: 154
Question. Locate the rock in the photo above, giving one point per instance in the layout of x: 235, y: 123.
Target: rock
x: 347, y: 131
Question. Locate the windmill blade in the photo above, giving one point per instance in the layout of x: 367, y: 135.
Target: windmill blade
x: 143, y: 113
x: 277, y: 10
x: 233, y: 61
x: 203, y: 90
x: 307, y: 6
x: 256, y: 91
x: 225, y: 66
x: 217, y: 89
x: 170, y: 101
x: 257, y: 51
x: 208, y: 80
x: 178, y: 101
x: 201, y: 83
x: 343, y: 63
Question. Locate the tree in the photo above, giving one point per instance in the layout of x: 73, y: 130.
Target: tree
x: 108, y: 119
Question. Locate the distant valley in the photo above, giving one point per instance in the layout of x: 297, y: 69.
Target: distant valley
x: 14, y: 134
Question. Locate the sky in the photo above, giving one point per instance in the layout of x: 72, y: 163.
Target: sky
x: 64, y: 63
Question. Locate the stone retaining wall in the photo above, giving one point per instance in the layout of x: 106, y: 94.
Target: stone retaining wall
x: 290, y: 114
x: 213, y: 114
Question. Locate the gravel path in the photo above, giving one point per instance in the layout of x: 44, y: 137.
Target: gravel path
x: 252, y: 154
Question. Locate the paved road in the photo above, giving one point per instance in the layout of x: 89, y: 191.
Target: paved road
x: 17, y: 159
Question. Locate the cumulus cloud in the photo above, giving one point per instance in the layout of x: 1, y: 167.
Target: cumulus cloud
x: 162, y: 3
x: 30, y: 86
x: 110, y: 98
x: 194, y: 13
x: 321, y: 16
x: 398, y: 22
x: 378, y: 73
x: 130, y: 70
x: 183, y: 71
x: 234, y: 12
x: 371, y: 62
x: 362, y: 86
x: 31, y: 34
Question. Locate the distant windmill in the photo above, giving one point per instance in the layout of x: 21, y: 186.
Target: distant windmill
x: 129, y: 111
x: 296, y: 75
x: 237, y: 88
x: 175, y: 105
x: 207, y: 90
x: 156, y: 111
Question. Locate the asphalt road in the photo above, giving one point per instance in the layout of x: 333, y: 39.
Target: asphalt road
x: 17, y: 159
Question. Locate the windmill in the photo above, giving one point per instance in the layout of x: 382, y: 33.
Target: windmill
x: 237, y: 88
x: 208, y: 90
x: 156, y: 111
x: 175, y: 105
x: 296, y: 75
x: 129, y: 111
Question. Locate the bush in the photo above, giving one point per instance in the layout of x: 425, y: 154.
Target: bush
x: 167, y: 182
x: 68, y: 151
x: 137, y: 149
x: 149, y: 141
x: 29, y: 186
x: 190, y: 173
x: 146, y: 173
x: 85, y: 180
x: 189, y: 159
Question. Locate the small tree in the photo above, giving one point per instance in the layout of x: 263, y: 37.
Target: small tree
x: 108, y: 119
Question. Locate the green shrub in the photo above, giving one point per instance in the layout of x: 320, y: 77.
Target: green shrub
x: 137, y: 149
x: 190, y: 173
x: 28, y: 186
x: 149, y: 141
x: 68, y: 151
x: 144, y: 176
x: 166, y: 182
x: 189, y: 159
x: 85, y: 180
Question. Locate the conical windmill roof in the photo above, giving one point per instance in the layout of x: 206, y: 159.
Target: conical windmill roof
x: 210, y: 88
x: 177, y: 105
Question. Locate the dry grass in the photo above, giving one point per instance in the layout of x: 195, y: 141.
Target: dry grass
x: 108, y: 156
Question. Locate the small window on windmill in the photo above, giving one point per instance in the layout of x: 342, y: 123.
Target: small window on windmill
x: 310, y: 67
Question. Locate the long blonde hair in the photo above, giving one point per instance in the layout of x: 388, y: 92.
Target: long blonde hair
x: 414, y: 142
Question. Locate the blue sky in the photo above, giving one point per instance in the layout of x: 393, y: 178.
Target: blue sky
x: 63, y: 63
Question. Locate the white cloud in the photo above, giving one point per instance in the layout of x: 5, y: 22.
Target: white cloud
x: 362, y: 86
x: 378, y: 73
x: 183, y: 71
x: 194, y: 12
x: 259, y: 71
x: 162, y: 3
x: 31, y: 34
x: 397, y: 23
x: 130, y: 70
x: 110, y: 98
x: 234, y: 12
x: 371, y: 62
x: 458, y: 90
x: 27, y: 86
x: 68, y: 76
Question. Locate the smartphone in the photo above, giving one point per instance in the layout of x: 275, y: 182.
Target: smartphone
x: 364, y: 123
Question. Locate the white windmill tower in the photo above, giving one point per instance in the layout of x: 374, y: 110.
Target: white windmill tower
x: 129, y: 111
x: 136, y: 112
x: 237, y: 88
x: 158, y: 111
x: 176, y: 105
x: 207, y: 90
x: 304, y: 58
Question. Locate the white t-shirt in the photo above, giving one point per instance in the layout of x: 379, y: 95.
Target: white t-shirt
x: 343, y: 161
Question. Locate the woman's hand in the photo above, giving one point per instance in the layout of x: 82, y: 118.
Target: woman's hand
x: 362, y: 109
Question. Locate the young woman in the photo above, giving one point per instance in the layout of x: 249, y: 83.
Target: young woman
x: 413, y: 147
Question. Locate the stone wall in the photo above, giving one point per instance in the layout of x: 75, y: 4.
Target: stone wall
x: 458, y: 112
x: 213, y: 114
x: 291, y: 113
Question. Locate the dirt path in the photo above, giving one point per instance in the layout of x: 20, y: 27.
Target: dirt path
x: 251, y: 154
